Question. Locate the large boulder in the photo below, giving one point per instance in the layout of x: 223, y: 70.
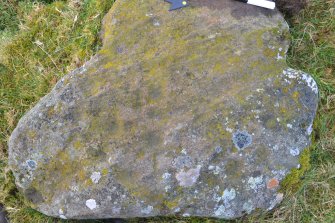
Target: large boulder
x: 192, y: 112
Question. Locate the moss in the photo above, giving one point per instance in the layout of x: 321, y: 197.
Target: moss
x: 293, y: 181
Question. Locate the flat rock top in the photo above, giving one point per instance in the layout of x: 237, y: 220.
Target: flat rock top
x: 192, y: 112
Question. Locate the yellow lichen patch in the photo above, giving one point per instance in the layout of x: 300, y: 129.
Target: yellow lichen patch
x: 234, y: 150
x: 172, y: 204
x: 77, y: 145
x: 234, y: 60
x: 51, y: 111
x: 81, y: 175
x: 140, y: 155
x: 256, y: 37
x: 105, y: 171
x: 88, y: 183
x: 270, y: 53
x: 109, y: 64
x: 285, y: 90
x: 216, y: 131
x: 218, y: 68
x: 295, y: 97
x: 62, y: 171
x: 97, y: 88
x: 32, y: 134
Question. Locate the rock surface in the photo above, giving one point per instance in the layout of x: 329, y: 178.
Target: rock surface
x: 192, y: 112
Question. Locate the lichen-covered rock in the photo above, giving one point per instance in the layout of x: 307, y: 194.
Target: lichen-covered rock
x: 192, y: 112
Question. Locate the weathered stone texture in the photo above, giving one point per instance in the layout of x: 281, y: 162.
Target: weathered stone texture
x: 191, y: 112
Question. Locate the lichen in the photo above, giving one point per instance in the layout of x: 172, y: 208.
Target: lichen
x: 91, y: 204
x: 241, y: 139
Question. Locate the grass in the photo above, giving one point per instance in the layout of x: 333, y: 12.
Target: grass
x: 41, y: 41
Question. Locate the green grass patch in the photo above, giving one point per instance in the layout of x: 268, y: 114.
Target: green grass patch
x: 8, y: 16
x: 41, y: 41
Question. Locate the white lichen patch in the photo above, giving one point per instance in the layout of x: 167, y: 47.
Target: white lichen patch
x: 167, y: 188
x: 308, y: 79
x: 188, y: 178
x: 248, y: 207
x: 60, y: 211
x: 156, y: 22
x: 228, y: 195
x: 61, y: 214
x: 215, y: 35
x: 310, y: 82
x: 229, y: 130
x: 91, y: 204
x: 95, y: 177
x: 147, y: 210
x: 216, y: 169
x: 149, y: 14
x: 166, y: 176
x: 279, y: 57
x: 294, y: 151
x: 279, y: 174
x: 255, y: 182
x: 74, y: 188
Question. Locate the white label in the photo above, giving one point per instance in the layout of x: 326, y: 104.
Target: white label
x: 263, y: 3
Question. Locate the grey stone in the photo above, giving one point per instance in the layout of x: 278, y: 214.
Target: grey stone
x: 192, y: 112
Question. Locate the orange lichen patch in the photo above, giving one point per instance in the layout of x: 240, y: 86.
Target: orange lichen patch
x: 272, y: 183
